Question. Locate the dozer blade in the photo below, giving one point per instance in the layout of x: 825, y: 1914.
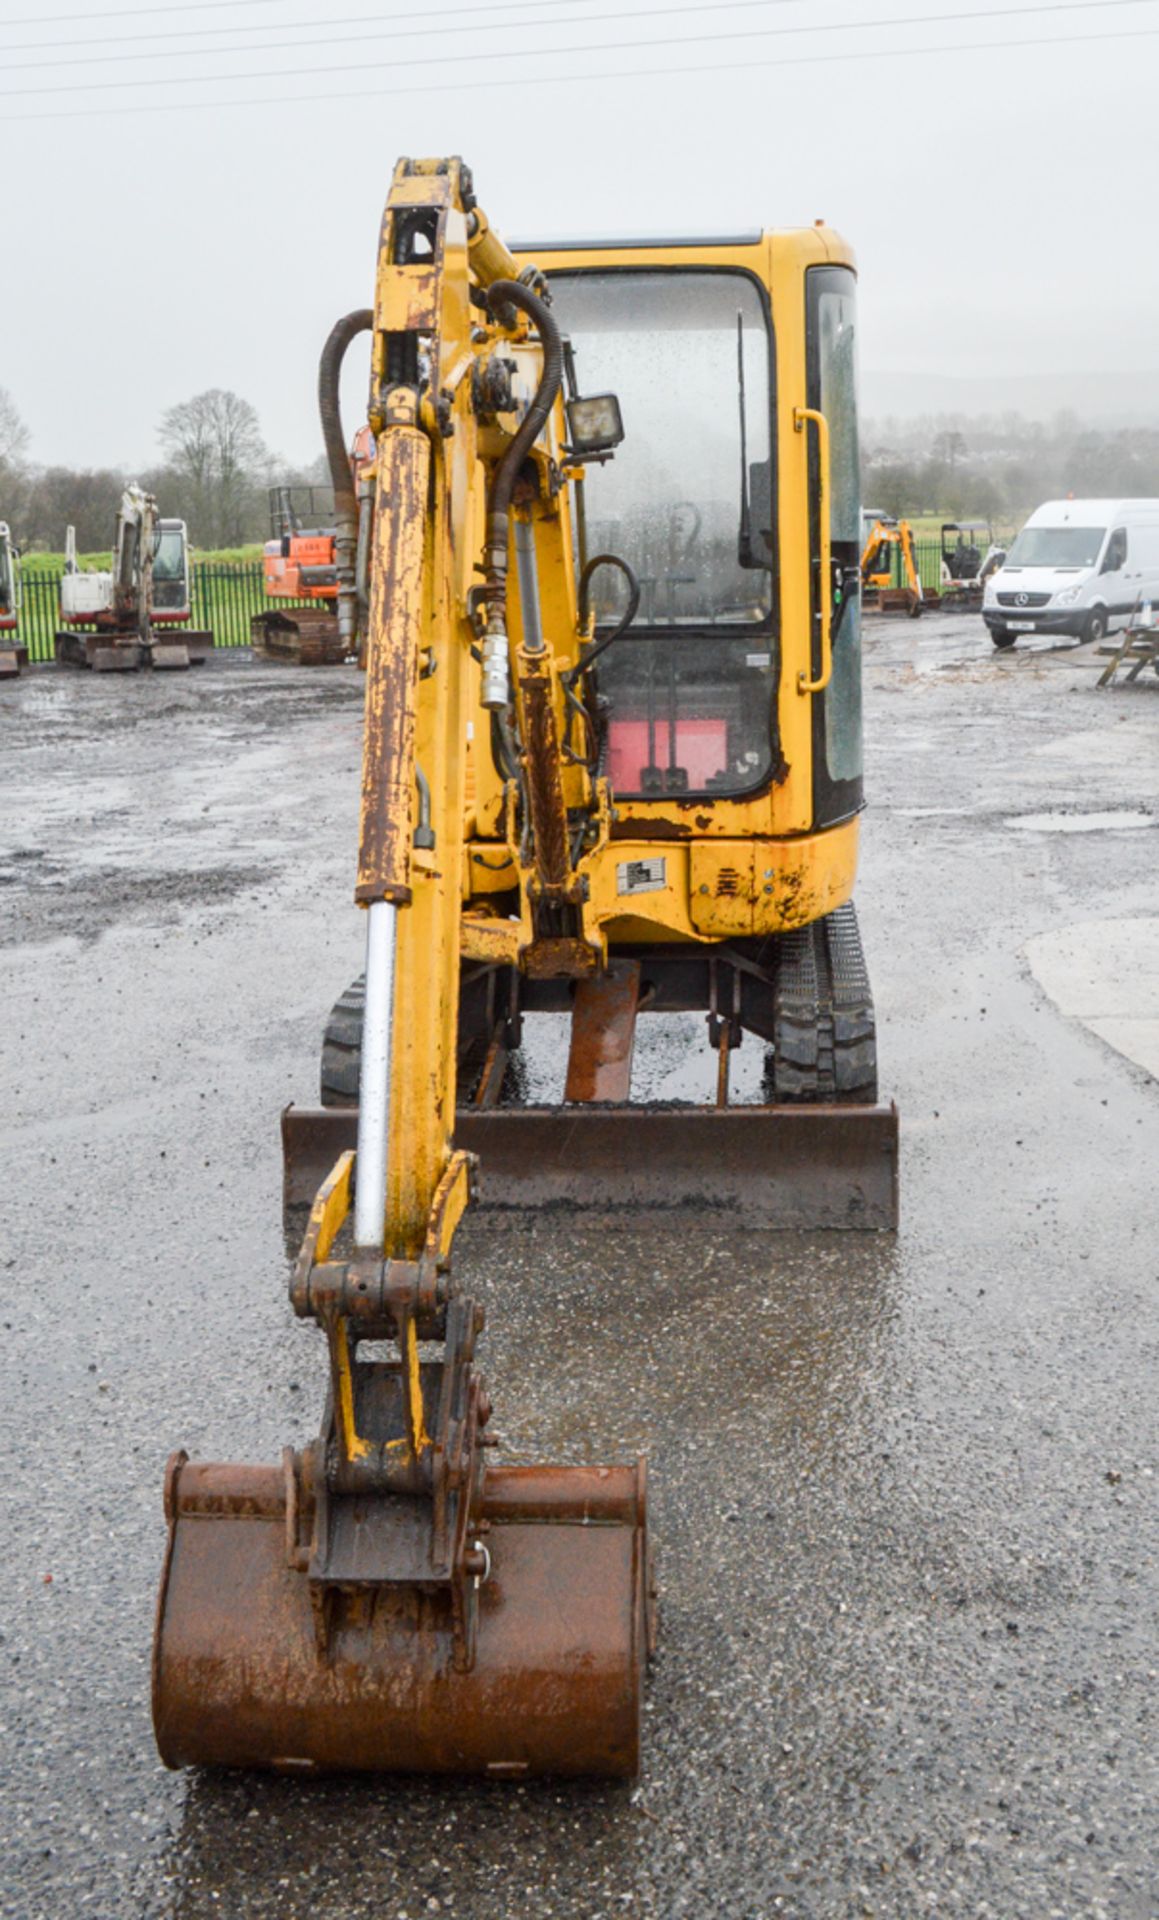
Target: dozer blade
x: 801, y: 1167
x: 179, y: 648
x: 102, y: 652
x: 254, y: 1667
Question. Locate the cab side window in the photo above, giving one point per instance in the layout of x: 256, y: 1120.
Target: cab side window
x: 1116, y: 557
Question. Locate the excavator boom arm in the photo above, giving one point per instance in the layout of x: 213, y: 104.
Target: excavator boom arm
x: 391, y: 1601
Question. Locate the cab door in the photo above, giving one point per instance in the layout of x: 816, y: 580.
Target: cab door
x: 1116, y: 586
x: 171, y: 570
x: 831, y: 382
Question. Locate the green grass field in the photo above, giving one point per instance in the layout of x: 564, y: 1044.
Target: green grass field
x: 53, y: 563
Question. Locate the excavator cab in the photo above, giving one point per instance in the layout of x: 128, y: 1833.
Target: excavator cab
x: 9, y: 580
x: 688, y: 504
x: 170, y: 572
x: 603, y: 567
x: 12, y: 655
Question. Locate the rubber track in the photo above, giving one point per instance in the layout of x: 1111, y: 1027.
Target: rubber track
x: 824, y: 1046
x: 342, y: 1051
x: 342, y: 1047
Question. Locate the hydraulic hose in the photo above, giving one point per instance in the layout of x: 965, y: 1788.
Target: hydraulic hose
x: 512, y: 293
x: 621, y: 628
x: 329, y: 406
x: 575, y: 705
x: 501, y: 294
x: 338, y: 457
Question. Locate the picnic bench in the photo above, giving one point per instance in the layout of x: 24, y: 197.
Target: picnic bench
x: 1137, y: 644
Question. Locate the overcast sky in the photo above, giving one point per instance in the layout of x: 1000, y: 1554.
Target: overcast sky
x: 158, y: 240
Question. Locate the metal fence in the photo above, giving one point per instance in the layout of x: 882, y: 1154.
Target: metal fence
x: 928, y: 554
x: 928, y: 559
x: 224, y: 598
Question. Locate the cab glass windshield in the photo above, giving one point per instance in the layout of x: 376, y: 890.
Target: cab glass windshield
x: 687, y: 696
x: 169, y: 554
x: 1056, y: 547
x: 687, y: 354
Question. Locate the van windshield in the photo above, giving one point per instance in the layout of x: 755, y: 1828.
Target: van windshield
x: 1056, y: 547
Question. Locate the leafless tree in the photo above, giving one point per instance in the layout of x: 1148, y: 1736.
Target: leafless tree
x: 214, y: 448
x: 949, y: 447
x: 13, y: 432
x: 58, y: 497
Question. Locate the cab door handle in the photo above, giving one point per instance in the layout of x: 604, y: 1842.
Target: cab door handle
x: 801, y: 417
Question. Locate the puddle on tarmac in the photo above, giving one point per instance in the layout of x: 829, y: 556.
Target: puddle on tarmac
x: 1113, y: 822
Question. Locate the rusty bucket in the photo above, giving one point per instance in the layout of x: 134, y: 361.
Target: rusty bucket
x: 255, y: 1665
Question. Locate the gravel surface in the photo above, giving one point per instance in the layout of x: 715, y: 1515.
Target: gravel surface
x: 904, y: 1491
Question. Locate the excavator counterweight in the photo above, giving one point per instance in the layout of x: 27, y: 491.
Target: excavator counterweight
x: 603, y: 568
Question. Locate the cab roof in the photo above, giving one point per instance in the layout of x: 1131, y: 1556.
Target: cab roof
x: 619, y: 242
x: 818, y: 245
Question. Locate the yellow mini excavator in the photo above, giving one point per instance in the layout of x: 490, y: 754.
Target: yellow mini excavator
x: 879, y: 590
x: 605, y: 577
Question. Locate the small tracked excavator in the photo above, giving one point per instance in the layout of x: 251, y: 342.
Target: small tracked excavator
x: 608, y: 593
x: 880, y: 592
x: 970, y: 554
x: 300, y: 572
x: 137, y: 613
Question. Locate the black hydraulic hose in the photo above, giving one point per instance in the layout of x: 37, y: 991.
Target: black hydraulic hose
x: 511, y: 293
x: 341, y: 475
x: 329, y: 408
x: 621, y: 628
x: 596, y: 731
x: 504, y: 752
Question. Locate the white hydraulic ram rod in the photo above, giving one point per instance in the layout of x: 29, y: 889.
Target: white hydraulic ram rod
x: 374, y: 1078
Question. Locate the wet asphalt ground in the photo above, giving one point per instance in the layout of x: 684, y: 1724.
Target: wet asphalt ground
x: 904, y: 1490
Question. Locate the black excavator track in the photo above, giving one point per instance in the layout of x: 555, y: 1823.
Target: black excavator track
x: 342, y: 1047
x: 824, y: 1036
x: 813, y: 1003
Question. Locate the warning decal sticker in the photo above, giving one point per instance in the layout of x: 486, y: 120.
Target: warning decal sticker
x: 641, y: 876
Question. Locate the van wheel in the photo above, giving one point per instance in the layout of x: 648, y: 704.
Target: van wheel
x: 1096, y: 624
x: 1002, y: 637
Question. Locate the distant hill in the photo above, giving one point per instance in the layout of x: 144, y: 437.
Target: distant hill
x: 1105, y: 400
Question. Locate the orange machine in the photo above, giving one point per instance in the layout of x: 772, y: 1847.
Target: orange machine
x: 300, y: 564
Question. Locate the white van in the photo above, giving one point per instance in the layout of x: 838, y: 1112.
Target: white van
x: 1078, y: 566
